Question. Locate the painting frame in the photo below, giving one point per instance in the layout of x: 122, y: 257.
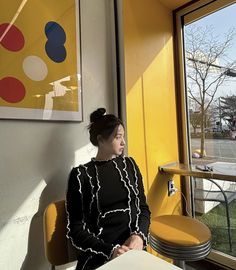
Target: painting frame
x: 64, y: 82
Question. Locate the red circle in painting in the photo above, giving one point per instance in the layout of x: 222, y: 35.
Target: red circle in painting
x: 11, y: 90
x: 13, y: 40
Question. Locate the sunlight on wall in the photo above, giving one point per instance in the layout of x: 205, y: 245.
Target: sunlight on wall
x: 84, y: 154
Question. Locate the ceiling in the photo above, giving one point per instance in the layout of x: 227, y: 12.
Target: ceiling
x: 173, y: 4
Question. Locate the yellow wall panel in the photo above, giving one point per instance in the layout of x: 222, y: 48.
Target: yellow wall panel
x: 150, y: 90
x: 136, y: 135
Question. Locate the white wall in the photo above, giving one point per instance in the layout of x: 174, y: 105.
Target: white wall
x: 36, y: 156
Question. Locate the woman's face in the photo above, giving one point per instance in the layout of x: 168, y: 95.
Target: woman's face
x: 115, y: 144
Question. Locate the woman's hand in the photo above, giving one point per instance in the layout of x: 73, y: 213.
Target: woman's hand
x: 135, y: 241
x: 119, y: 251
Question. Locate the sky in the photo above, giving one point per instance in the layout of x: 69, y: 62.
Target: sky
x: 223, y: 20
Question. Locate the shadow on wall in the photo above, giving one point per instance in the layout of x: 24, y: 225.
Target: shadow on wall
x: 56, y: 162
x: 158, y: 200
x: 35, y: 257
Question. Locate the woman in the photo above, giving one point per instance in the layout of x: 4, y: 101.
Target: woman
x: 105, y: 202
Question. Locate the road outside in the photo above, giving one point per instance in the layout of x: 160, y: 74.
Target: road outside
x: 216, y: 150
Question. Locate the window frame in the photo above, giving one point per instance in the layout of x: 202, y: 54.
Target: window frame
x: 183, y: 16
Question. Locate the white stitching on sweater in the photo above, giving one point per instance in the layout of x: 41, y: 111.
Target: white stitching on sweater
x: 129, y: 198
x: 92, y: 188
x: 98, y: 207
x: 82, y: 200
x: 127, y: 177
x: 138, y: 231
x: 68, y: 224
x: 136, y: 192
x: 143, y: 236
x: 112, y: 211
x: 138, y: 201
x: 116, y: 246
x: 86, y: 262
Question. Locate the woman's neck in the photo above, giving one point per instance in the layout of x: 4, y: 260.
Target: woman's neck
x: 101, y: 155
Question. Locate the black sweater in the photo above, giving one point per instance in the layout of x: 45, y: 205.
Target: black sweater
x: 105, y: 204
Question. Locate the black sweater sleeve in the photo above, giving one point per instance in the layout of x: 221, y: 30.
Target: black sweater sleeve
x: 143, y: 218
x: 79, y: 235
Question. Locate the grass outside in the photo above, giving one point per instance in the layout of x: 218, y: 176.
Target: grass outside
x: 217, y: 222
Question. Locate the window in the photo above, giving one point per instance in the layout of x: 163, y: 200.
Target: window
x: 206, y: 34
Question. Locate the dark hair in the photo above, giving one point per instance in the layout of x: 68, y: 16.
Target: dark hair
x: 102, y: 124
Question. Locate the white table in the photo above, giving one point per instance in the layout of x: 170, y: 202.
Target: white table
x: 138, y: 260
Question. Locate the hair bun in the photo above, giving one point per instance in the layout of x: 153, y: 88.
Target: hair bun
x: 96, y: 115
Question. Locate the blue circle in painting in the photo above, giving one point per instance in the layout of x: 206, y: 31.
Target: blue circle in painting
x: 55, y: 33
x: 56, y: 54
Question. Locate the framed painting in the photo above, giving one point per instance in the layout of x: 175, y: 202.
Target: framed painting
x: 40, y: 60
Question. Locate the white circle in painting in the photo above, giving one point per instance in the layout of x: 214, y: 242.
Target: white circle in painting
x: 35, y: 68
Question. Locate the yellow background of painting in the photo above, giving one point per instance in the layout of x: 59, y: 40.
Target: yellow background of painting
x: 31, y: 21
